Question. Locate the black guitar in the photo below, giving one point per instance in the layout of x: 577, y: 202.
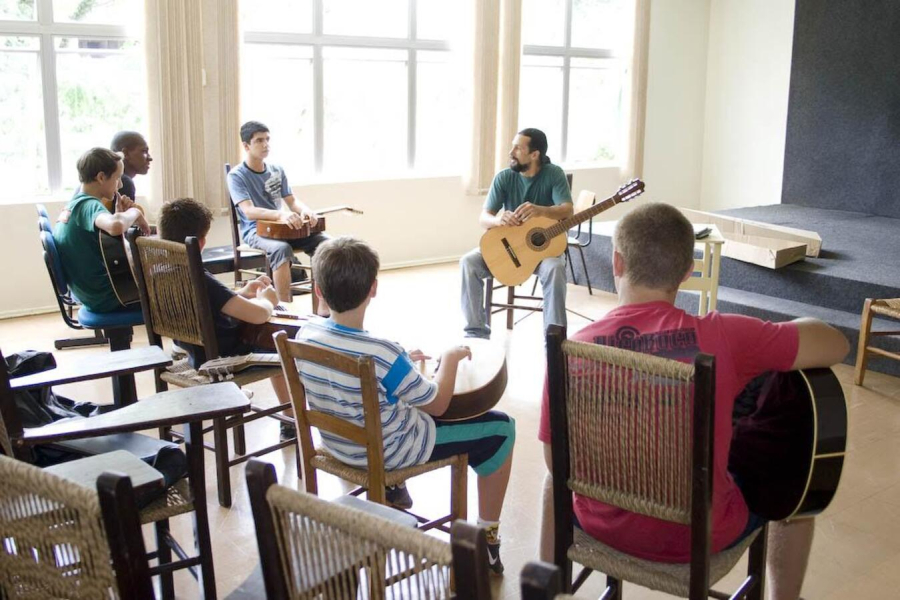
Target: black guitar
x: 118, y: 269
x: 790, y: 452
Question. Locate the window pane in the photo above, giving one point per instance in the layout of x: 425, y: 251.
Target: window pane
x: 102, y: 90
x: 23, y: 156
x: 437, y: 19
x: 365, y: 111
x: 276, y: 88
x: 439, y: 100
x: 595, y: 110
x: 599, y: 23
x: 17, y: 10
x: 540, y: 99
x: 385, y: 18
x: 129, y: 13
x: 289, y: 16
x: 544, y: 22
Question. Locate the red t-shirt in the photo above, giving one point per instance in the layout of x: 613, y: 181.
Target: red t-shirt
x: 744, y: 347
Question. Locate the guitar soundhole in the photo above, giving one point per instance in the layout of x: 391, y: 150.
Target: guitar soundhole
x: 538, y: 239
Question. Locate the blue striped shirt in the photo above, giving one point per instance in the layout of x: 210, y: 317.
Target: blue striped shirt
x: 409, y: 433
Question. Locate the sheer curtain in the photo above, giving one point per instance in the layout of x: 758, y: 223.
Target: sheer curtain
x: 193, y: 77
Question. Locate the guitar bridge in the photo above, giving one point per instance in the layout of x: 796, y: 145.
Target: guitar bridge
x: 511, y: 252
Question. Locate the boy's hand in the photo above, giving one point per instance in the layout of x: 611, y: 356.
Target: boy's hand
x: 264, y: 279
x: 268, y: 293
x: 456, y: 354
x: 141, y: 222
x: 417, y: 355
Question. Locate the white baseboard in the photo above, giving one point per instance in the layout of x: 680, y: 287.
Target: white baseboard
x: 28, y: 312
x: 42, y: 310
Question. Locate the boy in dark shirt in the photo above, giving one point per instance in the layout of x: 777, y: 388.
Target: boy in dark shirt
x: 253, y: 303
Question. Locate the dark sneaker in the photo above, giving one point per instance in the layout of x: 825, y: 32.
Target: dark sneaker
x: 288, y: 431
x: 298, y: 274
x: 398, y: 496
x: 493, y: 547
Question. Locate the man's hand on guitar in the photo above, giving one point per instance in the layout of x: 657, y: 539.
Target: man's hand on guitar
x: 509, y: 219
x: 309, y: 216
x: 526, y: 211
x: 294, y: 220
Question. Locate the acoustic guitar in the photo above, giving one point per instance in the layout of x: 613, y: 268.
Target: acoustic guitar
x: 280, y: 230
x: 118, y: 269
x: 480, y: 382
x: 512, y: 253
x: 805, y: 413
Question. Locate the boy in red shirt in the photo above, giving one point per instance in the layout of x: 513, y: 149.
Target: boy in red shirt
x: 653, y: 254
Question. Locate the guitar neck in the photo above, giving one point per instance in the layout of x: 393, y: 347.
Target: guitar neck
x: 581, y: 217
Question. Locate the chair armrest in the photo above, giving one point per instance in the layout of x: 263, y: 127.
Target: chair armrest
x: 95, y: 366
x: 167, y: 409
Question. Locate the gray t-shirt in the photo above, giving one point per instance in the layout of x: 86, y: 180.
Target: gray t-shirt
x: 264, y: 189
x: 510, y: 189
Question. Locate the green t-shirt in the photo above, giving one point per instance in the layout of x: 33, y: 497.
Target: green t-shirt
x: 79, y: 250
x: 510, y: 189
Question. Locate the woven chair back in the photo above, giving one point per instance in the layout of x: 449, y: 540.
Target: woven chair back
x: 174, y: 298
x: 324, y: 363
x: 629, y: 426
x: 54, y: 545
x: 332, y: 551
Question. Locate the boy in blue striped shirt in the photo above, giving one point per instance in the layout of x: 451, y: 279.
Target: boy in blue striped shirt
x: 411, y: 405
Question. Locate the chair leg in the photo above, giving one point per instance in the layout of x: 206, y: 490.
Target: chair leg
x: 459, y: 491
x: 193, y: 440
x: 164, y: 554
x: 756, y: 565
x: 613, y: 589
x: 862, y: 357
x: 124, y: 390
x: 240, y: 439
x: 571, y: 266
x: 584, y: 267
x: 488, y: 299
x: 510, y: 299
x: 97, y: 340
x: 223, y: 473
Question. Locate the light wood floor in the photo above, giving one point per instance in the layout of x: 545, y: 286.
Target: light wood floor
x: 857, y: 547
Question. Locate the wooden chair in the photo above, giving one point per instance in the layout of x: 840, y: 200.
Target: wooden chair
x: 56, y: 536
x: 176, y: 305
x: 238, y: 245
x: 636, y: 431
x: 117, y: 429
x: 372, y: 479
x: 310, y: 547
x: 585, y: 200
x: 540, y: 581
x: 884, y: 308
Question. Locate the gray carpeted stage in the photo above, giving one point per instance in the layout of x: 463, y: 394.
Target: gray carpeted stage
x: 860, y: 259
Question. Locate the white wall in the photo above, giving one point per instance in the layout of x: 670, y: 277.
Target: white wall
x: 748, y: 76
x: 417, y: 221
x: 676, y: 89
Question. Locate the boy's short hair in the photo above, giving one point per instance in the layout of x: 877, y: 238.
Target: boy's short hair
x: 96, y: 161
x: 250, y: 128
x: 345, y: 269
x: 656, y: 242
x: 125, y: 140
x: 183, y: 218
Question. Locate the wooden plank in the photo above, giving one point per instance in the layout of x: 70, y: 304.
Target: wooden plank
x: 72, y: 368
x: 85, y: 471
x: 735, y: 226
x: 187, y: 405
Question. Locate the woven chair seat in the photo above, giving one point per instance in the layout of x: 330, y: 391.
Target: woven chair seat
x: 182, y: 374
x: 888, y: 308
x: 324, y: 461
x: 177, y: 501
x: 671, y: 578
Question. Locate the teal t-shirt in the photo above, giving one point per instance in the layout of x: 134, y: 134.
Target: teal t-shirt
x: 79, y: 250
x: 510, y: 189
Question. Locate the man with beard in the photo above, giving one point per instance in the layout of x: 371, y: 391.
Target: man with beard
x: 260, y: 190
x: 136, y: 156
x: 532, y: 186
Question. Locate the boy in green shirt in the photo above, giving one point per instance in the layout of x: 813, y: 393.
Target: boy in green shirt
x: 77, y: 229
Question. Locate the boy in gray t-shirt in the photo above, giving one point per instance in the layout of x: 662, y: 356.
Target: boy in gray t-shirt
x: 261, y: 190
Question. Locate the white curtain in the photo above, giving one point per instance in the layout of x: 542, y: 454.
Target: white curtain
x: 193, y: 121
x: 636, y: 93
